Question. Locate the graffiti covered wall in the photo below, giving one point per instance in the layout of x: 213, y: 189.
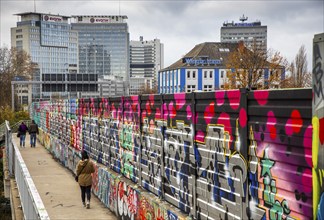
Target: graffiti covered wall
x: 318, y: 126
x: 215, y: 155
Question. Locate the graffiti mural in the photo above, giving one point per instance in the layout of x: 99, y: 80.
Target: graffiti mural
x: 127, y: 201
x: 152, y: 144
x: 318, y: 126
x: 232, y: 154
x: 178, y: 151
x: 281, y: 142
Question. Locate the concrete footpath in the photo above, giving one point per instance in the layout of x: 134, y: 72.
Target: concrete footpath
x: 56, y: 186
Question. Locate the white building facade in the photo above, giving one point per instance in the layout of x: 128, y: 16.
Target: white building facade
x: 146, y: 59
x: 249, y: 33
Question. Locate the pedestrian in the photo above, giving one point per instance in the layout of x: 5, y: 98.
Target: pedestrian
x: 84, y: 170
x: 22, y: 130
x: 33, y: 130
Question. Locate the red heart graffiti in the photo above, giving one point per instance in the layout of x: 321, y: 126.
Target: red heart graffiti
x: 321, y: 130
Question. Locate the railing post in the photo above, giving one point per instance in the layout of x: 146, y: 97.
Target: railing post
x: 162, y: 149
x: 139, y: 167
x: 193, y: 163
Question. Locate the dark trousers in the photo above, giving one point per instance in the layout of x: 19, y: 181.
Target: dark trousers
x: 33, y: 139
x: 85, y: 190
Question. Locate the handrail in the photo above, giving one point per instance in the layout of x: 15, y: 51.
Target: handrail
x: 31, y: 202
x: 13, y: 127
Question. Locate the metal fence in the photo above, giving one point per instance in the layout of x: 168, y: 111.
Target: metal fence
x: 32, y: 205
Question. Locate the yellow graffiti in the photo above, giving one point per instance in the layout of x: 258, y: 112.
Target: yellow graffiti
x: 315, y: 142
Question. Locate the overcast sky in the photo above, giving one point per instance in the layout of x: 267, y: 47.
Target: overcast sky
x: 182, y: 24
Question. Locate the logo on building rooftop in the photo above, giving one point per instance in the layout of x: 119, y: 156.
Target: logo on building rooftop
x: 191, y: 61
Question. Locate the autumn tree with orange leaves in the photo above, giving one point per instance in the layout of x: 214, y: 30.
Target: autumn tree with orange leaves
x: 247, y: 68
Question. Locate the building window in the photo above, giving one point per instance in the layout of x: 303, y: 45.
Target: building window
x: 19, y: 36
x: 18, y: 30
x: 222, y: 74
x: 210, y: 74
x: 188, y: 88
x: 193, y: 74
x: 188, y: 74
x: 205, y: 74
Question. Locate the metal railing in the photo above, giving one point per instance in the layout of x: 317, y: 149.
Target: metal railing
x: 14, y: 127
x: 32, y: 204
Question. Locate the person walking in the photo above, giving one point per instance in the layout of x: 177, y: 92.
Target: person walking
x: 33, y: 130
x: 84, y: 170
x: 22, y: 132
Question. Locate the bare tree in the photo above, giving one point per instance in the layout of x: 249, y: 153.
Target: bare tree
x: 13, y: 63
x: 248, y: 68
x: 300, y: 76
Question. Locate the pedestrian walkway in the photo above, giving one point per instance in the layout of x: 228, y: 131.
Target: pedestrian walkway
x: 57, y: 188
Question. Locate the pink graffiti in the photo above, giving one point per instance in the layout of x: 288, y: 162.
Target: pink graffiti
x: 131, y: 200
x: 294, y: 123
x: 151, y: 98
x: 189, y: 113
x: 148, y: 108
x: 308, y: 145
x: 219, y: 95
x: 321, y: 130
x: 165, y: 111
x: 261, y: 96
x: 271, y: 123
x: 172, y: 110
x: 180, y: 100
x: 307, y: 175
x: 113, y: 111
x: 242, y: 117
x: 158, y: 113
x: 297, y: 121
x: 209, y: 112
x: 200, y: 136
x: 224, y: 119
x: 234, y: 98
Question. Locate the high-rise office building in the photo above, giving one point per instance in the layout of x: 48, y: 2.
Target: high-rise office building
x: 72, y: 57
x: 52, y: 45
x: 146, y: 59
x: 103, y: 45
x: 249, y: 33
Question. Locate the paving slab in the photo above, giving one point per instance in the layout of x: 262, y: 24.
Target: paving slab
x: 57, y: 188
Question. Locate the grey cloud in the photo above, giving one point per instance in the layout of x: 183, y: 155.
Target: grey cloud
x: 182, y: 24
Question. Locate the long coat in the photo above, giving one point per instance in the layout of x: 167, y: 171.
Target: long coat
x: 85, y: 178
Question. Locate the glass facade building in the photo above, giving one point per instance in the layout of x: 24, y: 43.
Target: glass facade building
x: 103, y: 45
x: 52, y: 45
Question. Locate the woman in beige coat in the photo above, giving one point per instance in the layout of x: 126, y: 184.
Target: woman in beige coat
x: 84, y: 170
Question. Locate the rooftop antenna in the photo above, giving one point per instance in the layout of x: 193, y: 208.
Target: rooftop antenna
x: 243, y: 18
x: 34, y: 6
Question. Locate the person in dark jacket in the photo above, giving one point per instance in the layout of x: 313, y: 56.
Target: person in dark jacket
x: 84, y: 169
x: 22, y: 132
x: 33, y: 130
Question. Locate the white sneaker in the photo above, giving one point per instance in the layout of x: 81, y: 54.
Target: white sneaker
x: 84, y: 205
x: 88, y: 205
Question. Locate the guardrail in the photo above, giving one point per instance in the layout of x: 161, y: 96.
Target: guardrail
x: 14, y: 127
x: 32, y: 204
